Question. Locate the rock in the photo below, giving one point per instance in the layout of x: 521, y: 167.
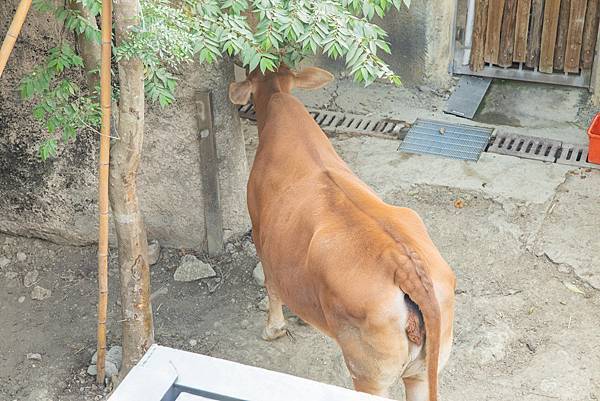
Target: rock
x: 153, y: 252
x: 4, y: 261
x: 34, y: 357
x: 263, y: 305
x: 191, y: 269
x: 40, y: 293
x: 30, y: 278
x: 109, y: 367
x: 259, y: 275
x: 114, y: 355
x: 21, y: 256
x: 244, y: 324
x: 193, y: 343
x: 21, y: 299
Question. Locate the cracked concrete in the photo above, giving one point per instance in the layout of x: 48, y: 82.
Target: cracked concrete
x: 569, y: 233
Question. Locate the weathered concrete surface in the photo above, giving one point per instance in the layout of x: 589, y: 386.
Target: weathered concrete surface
x: 570, y: 232
x: 420, y: 41
x: 551, y: 109
x: 170, y: 177
x: 516, y: 107
x: 57, y: 199
x: 496, y: 176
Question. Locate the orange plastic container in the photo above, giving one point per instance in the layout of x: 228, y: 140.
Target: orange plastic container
x: 594, y: 137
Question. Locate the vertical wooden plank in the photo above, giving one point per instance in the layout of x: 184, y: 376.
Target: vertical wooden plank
x: 561, y: 36
x: 521, y: 31
x: 478, y: 42
x: 535, y: 33
x: 590, y: 32
x: 213, y: 218
x: 492, y: 33
x: 575, y: 35
x: 549, y: 31
x: 507, y: 33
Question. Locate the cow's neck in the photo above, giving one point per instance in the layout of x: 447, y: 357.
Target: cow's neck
x: 261, y: 98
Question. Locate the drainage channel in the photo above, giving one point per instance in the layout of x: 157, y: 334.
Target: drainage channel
x: 334, y: 123
x: 522, y: 146
x: 543, y: 149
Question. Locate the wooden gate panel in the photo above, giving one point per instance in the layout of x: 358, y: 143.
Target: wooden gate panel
x: 575, y: 35
x: 590, y: 30
x: 507, y: 34
x: 492, y: 34
x: 533, y: 40
x: 521, y: 31
x: 549, y: 31
x: 535, y: 33
x: 561, y: 35
x: 479, y: 30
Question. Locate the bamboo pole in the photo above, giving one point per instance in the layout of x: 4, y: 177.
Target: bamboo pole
x: 13, y: 33
x: 105, y: 98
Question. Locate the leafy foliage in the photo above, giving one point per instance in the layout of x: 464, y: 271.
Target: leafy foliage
x: 260, y: 34
x: 280, y: 31
x: 62, y: 104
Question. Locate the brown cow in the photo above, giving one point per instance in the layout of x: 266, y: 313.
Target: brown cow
x: 364, y: 272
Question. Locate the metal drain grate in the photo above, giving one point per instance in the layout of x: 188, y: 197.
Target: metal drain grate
x: 343, y: 123
x: 547, y: 150
x: 456, y: 141
x: 526, y: 147
x: 574, y: 155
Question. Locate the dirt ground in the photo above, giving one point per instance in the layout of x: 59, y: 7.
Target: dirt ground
x: 524, y: 252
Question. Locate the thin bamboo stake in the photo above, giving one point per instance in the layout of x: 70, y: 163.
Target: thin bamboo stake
x: 105, y: 98
x: 13, y: 33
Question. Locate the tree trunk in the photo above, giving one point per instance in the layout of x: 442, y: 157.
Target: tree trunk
x: 88, y: 50
x: 137, y: 331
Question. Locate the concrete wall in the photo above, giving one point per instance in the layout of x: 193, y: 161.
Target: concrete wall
x: 420, y: 39
x: 56, y: 199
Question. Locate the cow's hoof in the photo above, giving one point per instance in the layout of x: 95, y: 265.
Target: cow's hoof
x: 271, y: 333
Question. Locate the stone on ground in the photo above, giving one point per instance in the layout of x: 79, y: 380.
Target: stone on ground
x: 40, y: 293
x: 109, y: 367
x: 4, y: 261
x: 153, y: 252
x: 259, y: 275
x: 113, y: 355
x: 30, y: 278
x: 191, y: 269
x: 263, y: 305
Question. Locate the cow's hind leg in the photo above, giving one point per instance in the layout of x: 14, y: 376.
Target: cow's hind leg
x: 275, y: 320
x: 416, y: 387
x: 375, y: 360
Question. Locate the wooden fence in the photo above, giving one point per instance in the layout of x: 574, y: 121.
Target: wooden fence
x: 549, y: 36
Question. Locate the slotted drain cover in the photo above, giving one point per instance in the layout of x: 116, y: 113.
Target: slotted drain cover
x: 456, y: 141
x: 343, y: 123
x: 526, y: 147
x: 574, y: 155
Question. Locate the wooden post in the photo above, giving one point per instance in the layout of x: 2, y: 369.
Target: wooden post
x: 103, y: 167
x: 213, y: 217
x: 13, y: 33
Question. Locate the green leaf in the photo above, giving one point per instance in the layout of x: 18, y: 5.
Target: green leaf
x: 254, y: 61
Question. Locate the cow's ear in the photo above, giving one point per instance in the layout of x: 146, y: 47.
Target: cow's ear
x: 312, y: 78
x: 239, y: 92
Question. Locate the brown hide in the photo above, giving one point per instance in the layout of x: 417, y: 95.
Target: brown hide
x: 334, y: 252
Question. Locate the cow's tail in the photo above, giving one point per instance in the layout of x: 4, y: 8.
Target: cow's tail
x: 414, y: 280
